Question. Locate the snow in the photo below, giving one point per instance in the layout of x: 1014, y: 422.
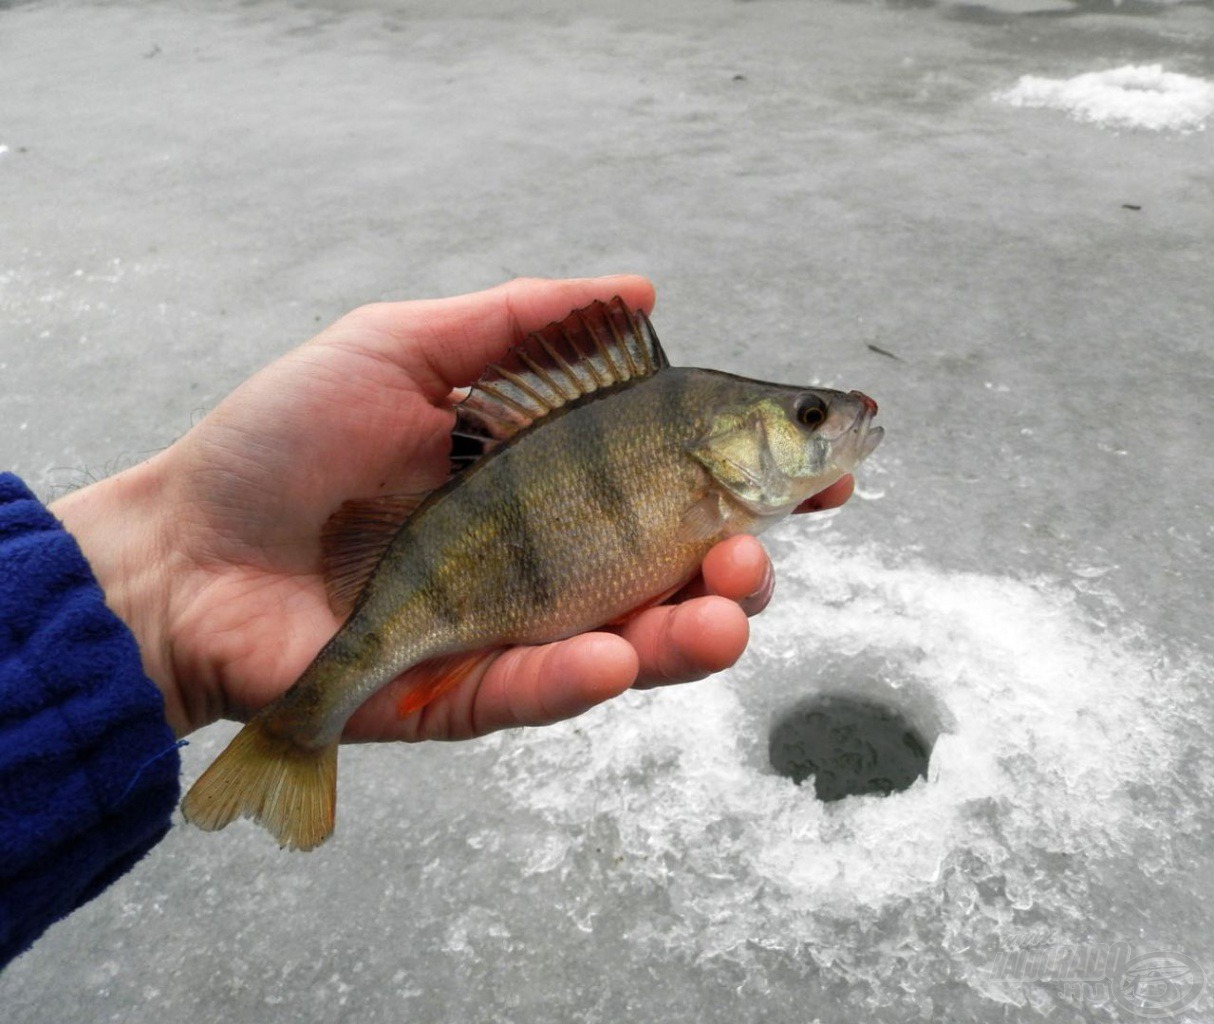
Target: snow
x: 1133, y: 96
x: 1047, y: 724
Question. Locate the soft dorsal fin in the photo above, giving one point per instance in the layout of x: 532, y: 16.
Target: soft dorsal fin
x: 597, y: 347
x: 355, y: 538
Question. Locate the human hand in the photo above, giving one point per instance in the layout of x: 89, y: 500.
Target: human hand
x: 210, y: 551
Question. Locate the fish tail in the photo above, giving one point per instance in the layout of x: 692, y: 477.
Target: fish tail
x: 289, y: 789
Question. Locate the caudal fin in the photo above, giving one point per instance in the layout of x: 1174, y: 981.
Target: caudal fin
x: 288, y: 789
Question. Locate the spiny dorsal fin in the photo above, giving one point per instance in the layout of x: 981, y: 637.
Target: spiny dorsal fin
x: 597, y: 347
x: 594, y: 348
x: 355, y: 538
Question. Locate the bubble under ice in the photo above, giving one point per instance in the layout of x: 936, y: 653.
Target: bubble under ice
x: 1050, y: 727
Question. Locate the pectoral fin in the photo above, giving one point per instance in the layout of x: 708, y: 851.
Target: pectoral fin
x: 433, y: 678
x: 702, y: 521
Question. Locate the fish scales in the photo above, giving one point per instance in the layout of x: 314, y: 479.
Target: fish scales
x: 570, y: 526
x: 584, y: 508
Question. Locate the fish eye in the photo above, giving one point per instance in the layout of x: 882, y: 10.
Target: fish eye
x: 811, y: 411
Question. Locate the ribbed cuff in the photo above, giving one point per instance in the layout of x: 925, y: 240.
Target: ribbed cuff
x: 88, y: 764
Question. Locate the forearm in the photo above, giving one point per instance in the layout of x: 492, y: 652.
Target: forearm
x: 88, y: 764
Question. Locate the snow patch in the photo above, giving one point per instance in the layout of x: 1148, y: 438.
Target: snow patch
x: 1134, y: 96
x: 1050, y: 727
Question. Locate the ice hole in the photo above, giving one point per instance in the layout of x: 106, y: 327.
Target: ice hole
x: 850, y: 747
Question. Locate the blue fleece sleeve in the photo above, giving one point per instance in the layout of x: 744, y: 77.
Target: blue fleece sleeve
x: 88, y: 763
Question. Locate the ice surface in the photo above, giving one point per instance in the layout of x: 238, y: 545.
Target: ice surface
x: 190, y: 189
x: 1134, y: 96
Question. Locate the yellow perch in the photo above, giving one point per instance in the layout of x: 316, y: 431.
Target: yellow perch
x: 591, y: 479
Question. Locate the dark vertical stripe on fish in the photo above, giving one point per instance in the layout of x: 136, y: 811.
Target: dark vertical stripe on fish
x: 604, y: 486
x: 522, y: 551
x: 441, y: 601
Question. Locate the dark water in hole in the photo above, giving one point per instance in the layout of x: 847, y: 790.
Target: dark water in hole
x: 851, y: 747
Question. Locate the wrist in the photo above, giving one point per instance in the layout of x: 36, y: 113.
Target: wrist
x: 123, y: 528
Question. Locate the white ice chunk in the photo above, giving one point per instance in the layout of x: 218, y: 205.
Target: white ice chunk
x: 1134, y: 96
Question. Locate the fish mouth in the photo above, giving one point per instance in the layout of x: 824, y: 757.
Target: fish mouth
x: 849, y: 447
x: 869, y: 440
x: 865, y: 437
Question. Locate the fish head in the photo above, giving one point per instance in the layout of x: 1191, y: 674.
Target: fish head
x: 786, y: 444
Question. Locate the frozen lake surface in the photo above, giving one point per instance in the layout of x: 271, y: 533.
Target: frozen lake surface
x: 1025, y: 575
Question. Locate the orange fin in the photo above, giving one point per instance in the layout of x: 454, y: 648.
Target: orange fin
x: 355, y: 539
x: 432, y: 678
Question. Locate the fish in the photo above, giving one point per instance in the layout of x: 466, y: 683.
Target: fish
x: 589, y: 480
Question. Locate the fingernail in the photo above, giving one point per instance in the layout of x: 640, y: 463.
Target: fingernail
x: 765, y: 589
